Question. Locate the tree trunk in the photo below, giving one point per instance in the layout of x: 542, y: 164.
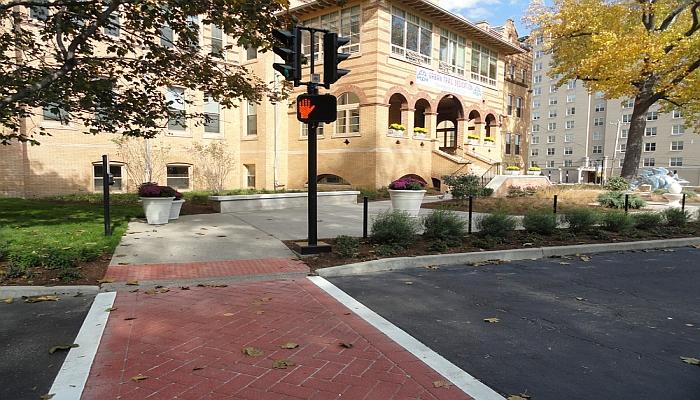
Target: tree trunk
x: 635, y: 136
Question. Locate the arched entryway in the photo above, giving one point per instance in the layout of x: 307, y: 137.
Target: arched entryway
x: 448, y: 113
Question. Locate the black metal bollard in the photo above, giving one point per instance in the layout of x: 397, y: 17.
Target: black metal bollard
x: 471, y: 200
x: 365, y: 215
x: 683, y: 203
x: 555, y: 203
x: 627, y: 202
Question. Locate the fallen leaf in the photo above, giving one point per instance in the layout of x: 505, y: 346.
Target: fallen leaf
x: 62, y: 347
x: 204, y: 229
x: 9, y: 300
x: 266, y: 299
x: 409, y: 283
x: 36, y: 299
x: 492, y: 320
x: 697, y: 246
x: 564, y: 263
x: 260, y: 312
x: 78, y: 295
x: 252, y: 351
x: 48, y: 396
x: 197, y: 368
x: 123, y: 263
x: 520, y: 396
x: 528, y: 244
x: 106, y: 280
x: 433, y: 267
x: 289, y: 345
x: 691, y: 325
x: 668, y: 250
x: 690, y: 360
x: 138, y: 378
x: 585, y: 258
x: 133, y: 291
x: 132, y: 283
x: 220, y: 235
x: 346, y: 345
x: 199, y: 233
x: 184, y: 288
x: 228, y: 314
x: 487, y: 262
x: 129, y: 318
x: 111, y: 309
x: 580, y: 299
x: 282, y: 364
x: 442, y: 384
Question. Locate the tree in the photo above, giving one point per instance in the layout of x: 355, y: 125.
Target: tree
x: 105, y: 63
x: 215, y: 161
x: 145, y: 161
x: 647, y: 50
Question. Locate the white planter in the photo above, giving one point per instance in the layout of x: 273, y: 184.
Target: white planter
x: 408, y: 201
x: 175, y: 209
x: 157, y: 209
x: 472, y: 142
x: 507, y: 172
x: 489, y: 143
x: 534, y: 172
x: 395, y: 132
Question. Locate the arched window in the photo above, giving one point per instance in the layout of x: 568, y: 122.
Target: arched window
x: 397, y: 102
x: 422, y: 106
x: 348, y: 122
x: 330, y: 179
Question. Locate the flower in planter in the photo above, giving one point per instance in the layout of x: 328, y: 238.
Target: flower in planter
x: 407, y: 184
x: 489, y: 139
x: 512, y: 168
x: 170, y: 192
x: 534, y: 169
x: 420, y: 131
x: 150, y: 189
x: 472, y: 137
x: 397, y: 127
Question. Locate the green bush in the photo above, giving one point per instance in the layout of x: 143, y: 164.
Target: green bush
x: 439, y: 246
x: 374, y: 194
x: 486, y: 192
x: 617, y: 183
x: 617, y: 221
x: 525, y: 191
x: 387, y: 250
x: 498, y: 224
x: 675, y: 217
x: 463, y: 186
x: 444, y: 225
x: 647, y: 220
x: 617, y: 200
x: 395, y: 228
x: 581, y: 219
x: 346, y: 246
x: 540, y: 221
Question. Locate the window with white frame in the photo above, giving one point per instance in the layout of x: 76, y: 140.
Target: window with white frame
x: 484, y: 64
x: 553, y: 113
x: 597, y: 135
x: 534, y: 152
x: 569, y: 138
x: 535, y: 115
x: 411, y: 36
x: 537, y: 78
x: 507, y: 142
x: 626, y: 118
x: 675, y: 114
x: 539, y: 53
x: 677, y: 145
x: 551, y: 126
x: 550, y: 151
x: 649, y: 162
x: 178, y: 176
x: 114, y: 169
x: 569, y: 124
x: 249, y: 175
x: 551, y: 139
x: 552, y: 88
x: 193, y: 42
x: 536, y: 91
x: 251, y: 119
x: 535, y: 127
x: 571, y: 85
x: 305, y: 130
x: 535, y: 140
x: 597, y: 149
x: 600, y: 107
x: 346, y: 22
x: 650, y: 131
x: 675, y: 162
x: 509, y: 106
x: 517, y: 138
x: 538, y: 67
x: 570, y: 98
x: 518, y: 107
x: 453, y: 52
x: 568, y: 151
x: 650, y: 146
x: 677, y: 129
x: 167, y: 37
x: 251, y: 53
x: 652, y: 116
x: 212, y: 110
x: 533, y: 163
x: 570, y: 111
x: 216, y: 41
x: 623, y: 133
x: 599, y: 95
x: 111, y: 27
x: 539, y: 40
x: 568, y: 163
x: 54, y: 113
x: 524, y: 75
x: 550, y: 163
x: 620, y: 162
x: 622, y: 147
x: 348, y: 119
x: 511, y: 71
x: 177, y: 120
x: 598, y: 121
x: 627, y: 103
x: 552, y: 101
x: 535, y: 103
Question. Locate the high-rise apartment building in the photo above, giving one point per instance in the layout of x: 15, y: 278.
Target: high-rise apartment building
x: 580, y: 137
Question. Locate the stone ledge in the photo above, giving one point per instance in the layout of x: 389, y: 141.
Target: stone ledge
x: 277, y: 201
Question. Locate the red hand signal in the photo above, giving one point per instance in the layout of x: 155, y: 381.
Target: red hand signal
x: 305, y: 108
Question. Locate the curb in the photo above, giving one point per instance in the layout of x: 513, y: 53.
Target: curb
x: 19, y: 291
x: 109, y: 287
x: 389, y: 264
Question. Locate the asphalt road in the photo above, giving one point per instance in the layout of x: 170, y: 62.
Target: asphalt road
x: 612, y: 328
x: 27, y: 332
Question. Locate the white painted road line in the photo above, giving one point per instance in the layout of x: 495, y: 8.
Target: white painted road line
x: 469, y: 385
x: 71, y: 379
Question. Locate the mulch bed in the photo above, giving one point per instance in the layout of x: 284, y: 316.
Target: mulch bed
x: 473, y: 243
x: 91, y: 272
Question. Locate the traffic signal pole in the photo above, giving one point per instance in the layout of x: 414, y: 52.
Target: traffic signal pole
x: 312, y: 165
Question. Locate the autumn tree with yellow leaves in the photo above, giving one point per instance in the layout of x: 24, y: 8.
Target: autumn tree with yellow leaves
x: 647, y: 50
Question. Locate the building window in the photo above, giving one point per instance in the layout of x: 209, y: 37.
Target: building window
x: 524, y: 74
x: 550, y: 151
x: 550, y: 163
x: 568, y: 151
x: 597, y: 149
x: 676, y: 162
x: 571, y: 85
x: 538, y: 67
x: 177, y: 120
x: 677, y: 130
x: 39, y: 12
x: 677, y: 145
x: 570, y: 111
x: 628, y: 104
x: 533, y: 163
x: 535, y: 127
x: 553, y: 101
x: 620, y: 162
x: 519, y: 107
x: 212, y: 109
x: 539, y: 40
x: 570, y: 98
x: 348, y: 119
x: 517, y: 144
x: 553, y: 113
x: 569, y: 124
x: 622, y: 147
x: 623, y: 133
x: 650, y: 146
x: 597, y: 135
x: 676, y: 114
x: 535, y: 103
x: 568, y: 163
x: 114, y: 169
x: 626, y: 118
x: 537, y: 78
x: 551, y: 126
x: 167, y: 38
x: 54, y: 112
x: 509, y: 107
x: 599, y: 95
x: 411, y: 36
x: 552, y: 88
x: 537, y: 91
x: 551, y: 139
x: 452, y: 52
x: 250, y: 175
x: 346, y: 23
x: 652, y: 116
x: 508, y: 146
x: 178, y: 176
x: 600, y: 107
x: 569, y: 138
x: 650, y: 131
x: 534, y: 152
x: 251, y: 53
x: 598, y: 121
x: 193, y: 22
x: 305, y: 130
x: 111, y: 27
x: 484, y: 64
x: 649, y: 162
x: 251, y: 119
x: 535, y: 140
x: 539, y: 53
x: 535, y: 115
x: 216, y: 41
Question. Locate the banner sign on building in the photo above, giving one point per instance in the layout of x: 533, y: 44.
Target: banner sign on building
x: 447, y: 83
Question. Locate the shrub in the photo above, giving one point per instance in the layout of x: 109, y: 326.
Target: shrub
x: 486, y: 192
x: 444, y: 225
x: 439, y: 246
x: 539, y: 221
x: 498, y: 224
x: 346, y: 246
x: 617, y: 200
x: 617, y: 221
x: 675, y: 217
x: 524, y: 191
x: 394, y: 228
x: 581, y: 219
x: 617, y: 183
x: 374, y: 194
x: 463, y: 186
x: 647, y: 220
x: 386, y: 250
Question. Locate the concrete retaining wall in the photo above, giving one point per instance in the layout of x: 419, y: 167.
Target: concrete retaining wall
x: 278, y: 201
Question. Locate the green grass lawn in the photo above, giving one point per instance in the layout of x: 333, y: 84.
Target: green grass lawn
x: 57, y: 235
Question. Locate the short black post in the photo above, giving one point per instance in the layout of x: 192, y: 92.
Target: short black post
x: 627, y: 202
x: 365, y: 214
x: 471, y: 200
x: 683, y: 203
x: 105, y: 195
x: 555, y: 203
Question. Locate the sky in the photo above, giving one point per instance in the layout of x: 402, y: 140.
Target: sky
x: 496, y: 12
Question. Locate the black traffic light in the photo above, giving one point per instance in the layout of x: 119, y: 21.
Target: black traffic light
x: 331, y: 58
x: 290, y: 51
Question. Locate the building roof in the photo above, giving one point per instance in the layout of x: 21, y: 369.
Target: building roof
x: 489, y: 37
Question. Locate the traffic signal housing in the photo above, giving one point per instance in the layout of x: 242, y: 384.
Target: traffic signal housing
x: 290, y: 51
x: 331, y: 57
